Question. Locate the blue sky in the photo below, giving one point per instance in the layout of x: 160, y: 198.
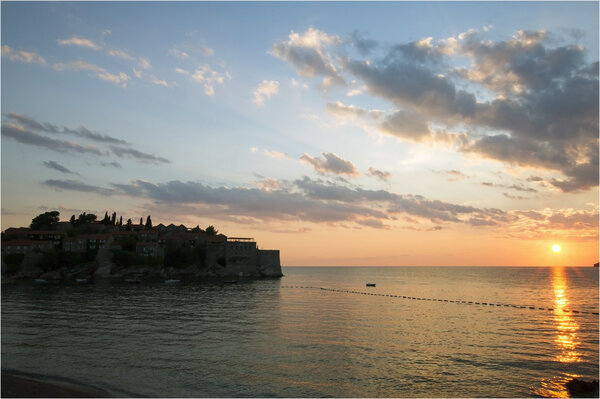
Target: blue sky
x: 400, y: 120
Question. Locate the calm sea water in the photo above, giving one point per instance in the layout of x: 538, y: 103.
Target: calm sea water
x: 266, y: 338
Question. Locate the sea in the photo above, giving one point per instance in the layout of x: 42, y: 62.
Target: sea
x: 316, y: 332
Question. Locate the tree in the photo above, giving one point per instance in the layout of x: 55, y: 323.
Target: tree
x: 113, y: 218
x: 84, y: 218
x: 211, y: 231
x: 121, y: 221
x: 129, y: 222
x: 106, y: 220
x: 148, y: 223
x: 141, y: 221
x: 72, y: 220
x: 45, y: 221
x: 196, y: 229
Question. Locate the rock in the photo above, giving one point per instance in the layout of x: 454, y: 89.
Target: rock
x: 582, y: 389
x: 53, y: 275
x: 104, y: 260
x: 103, y: 271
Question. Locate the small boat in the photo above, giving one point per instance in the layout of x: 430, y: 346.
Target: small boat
x: 172, y: 281
x: 41, y: 281
x: 82, y: 280
x: 370, y: 284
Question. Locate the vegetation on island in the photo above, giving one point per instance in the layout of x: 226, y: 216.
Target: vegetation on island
x: 174, y: 251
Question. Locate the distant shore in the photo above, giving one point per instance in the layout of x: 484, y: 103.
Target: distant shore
x: 16, y: 385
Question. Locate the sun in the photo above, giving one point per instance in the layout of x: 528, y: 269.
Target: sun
x: 556, y: 248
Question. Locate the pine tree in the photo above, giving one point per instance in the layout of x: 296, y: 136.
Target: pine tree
x: 72, y: 220
x: 113, y: 219
x: 148, y: 223
x: 129, y: 222
x: 121, y: 221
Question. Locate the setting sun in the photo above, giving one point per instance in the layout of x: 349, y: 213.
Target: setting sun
x: 556, y: 248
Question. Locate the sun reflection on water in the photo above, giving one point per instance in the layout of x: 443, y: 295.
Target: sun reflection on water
x: 566, y: 337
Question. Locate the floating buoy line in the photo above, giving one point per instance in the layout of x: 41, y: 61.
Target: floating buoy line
x: 455, y: 301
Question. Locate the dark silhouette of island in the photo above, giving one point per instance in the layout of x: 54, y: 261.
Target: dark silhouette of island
x: 85, y: 248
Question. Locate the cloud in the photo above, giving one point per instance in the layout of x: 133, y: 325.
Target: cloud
x: 559, y: 223
x: 407, y: 125
x: 331, y: 163
x: 25, y: 136
x: 181, y: 71
x: 209, y: 78
x: 79, y: 42
x: 185, y: 50
x: 528, y: 100
x: 350, y: 112
x: 74, y: 185
x: 182, y: 55
x: 512, y: 187
x: 265, y: 90
x: 546, y: 104
x: 363, y: 45
x: 120, y: 53
x: 453, y: 175
x: 306, y: 52
x: 379, y: 174
x: 56, y: 166
x: 305, y: 199
x: 113, y: 164
x: 144, y: 63
x: 274, y: 154
x: 82, y: 132
x: 157, y: 81
x: 120, y: 78
x: 22, y: 56
x: 23, y: 132
x: 138, y: 155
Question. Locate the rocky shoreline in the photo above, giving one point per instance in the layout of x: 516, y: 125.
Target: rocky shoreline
x: 141, y: 273
x: 104, y: 268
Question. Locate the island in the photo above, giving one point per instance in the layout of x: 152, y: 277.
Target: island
x: 85, y: 248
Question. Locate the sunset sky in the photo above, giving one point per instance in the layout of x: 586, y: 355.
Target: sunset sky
x: 340, y: 133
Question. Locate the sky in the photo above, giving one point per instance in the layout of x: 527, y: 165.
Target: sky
x: 340, y: 133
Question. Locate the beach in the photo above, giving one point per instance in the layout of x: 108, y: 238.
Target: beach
x: 20, y: 386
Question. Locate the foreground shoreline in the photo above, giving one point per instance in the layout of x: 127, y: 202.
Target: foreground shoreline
x: 21, y: 385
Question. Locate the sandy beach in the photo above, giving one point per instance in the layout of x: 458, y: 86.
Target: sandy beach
x: 19, y: 386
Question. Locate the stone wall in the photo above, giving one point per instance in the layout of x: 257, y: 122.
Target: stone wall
x: 268, y: 263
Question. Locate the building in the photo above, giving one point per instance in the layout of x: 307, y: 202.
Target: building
x: 74, y: 244
x: 149, y: 249
x: 25, y: 246
x: 96, y: 241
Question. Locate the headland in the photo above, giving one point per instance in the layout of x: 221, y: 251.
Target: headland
x: 85, y: 248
